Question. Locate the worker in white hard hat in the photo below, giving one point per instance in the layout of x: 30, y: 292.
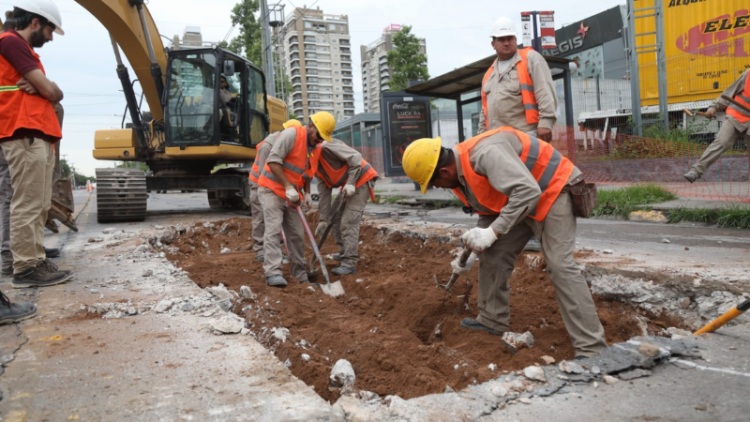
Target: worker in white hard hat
x: 520, y: 186
x: 517, y: 91
x: 28, y: 129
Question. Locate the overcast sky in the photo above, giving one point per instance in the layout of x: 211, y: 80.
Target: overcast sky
x: 83, y: 64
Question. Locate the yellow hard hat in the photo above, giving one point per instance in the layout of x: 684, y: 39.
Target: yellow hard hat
x: 325, y: 123
x: 292, y: 123
x: 420, y: 159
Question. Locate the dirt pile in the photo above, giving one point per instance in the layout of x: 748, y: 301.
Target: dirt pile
x: 399, y: 331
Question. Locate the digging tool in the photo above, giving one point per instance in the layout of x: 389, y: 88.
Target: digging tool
x: 331, y: 289
x: 462, y: 262
x: 372, y: 192
x: 338, y: 208
x: 728, y: 316
x: 692, y: 113
x: 736, y: 103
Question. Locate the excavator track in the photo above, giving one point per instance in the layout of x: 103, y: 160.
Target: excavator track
x: 120, y: 195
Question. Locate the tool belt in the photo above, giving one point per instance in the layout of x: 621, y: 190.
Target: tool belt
x: 584, y: 195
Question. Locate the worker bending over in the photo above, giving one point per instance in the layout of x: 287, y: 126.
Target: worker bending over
x: 294, y: 155
x: 342, y: 166
x: 519, y: 186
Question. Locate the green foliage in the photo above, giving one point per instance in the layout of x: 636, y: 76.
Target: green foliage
x: 133, y: 165
x: 394, y: 199
x: 407, y: 63
x: 735, y: 216
x: 65, y: 168
x: 248, y: 42
x: 621, y: 202
x: 81, y: 179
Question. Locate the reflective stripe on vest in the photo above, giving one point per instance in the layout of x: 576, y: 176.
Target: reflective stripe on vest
x: 294, y: 166
x: 743, y: 98
x: 550, y: 169
x: 334, y: 178
x: 255, y: 169
x: 531, y: 108
x: 19, y: 110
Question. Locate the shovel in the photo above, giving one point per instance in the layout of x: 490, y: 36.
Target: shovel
x: 462, y: 262
x: 331, y: 289
x: 338, y: 208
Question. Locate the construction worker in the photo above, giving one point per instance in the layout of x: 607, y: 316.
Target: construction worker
x: 517, y: 91
x: 519, y: 186
x: 28, y: 129
x: 261, y: 153
x: 342, y: 166
x: 294, y: 154
x: 736, y: 125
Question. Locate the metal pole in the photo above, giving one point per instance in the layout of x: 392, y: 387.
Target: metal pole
x: 635, y: 85
x: 267, y: 53
x: 460, y: 118
x: 535, y: 43
x: 661, y: 63
x: 598, y: 95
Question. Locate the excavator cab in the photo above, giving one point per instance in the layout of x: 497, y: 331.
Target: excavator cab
x: 214, y: 97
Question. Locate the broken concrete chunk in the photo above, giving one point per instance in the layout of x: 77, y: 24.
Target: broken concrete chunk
x: 448, y: 389
x: 665, y: 240
x: 226, y: 250
x: 499, y: 391
x: 280, y: 333
x: 109, y: 231
x: 684, y: 302
x: 147, y: 273
x: 244, y: 331
x: 305, y: 357
x: 246, y: 292
x: 635, y: 373
x: 571, y: 367
x: 141, y: 249
x: 342, y: 374
x: 368, y: 396
x: 648, y: 349
x: 226, y: 228
x: 524, y: 400
x: 610, y: 380
x: 608, y: 251
x: 674, y: 331
x: 549, y: 360
x: 163, y: 306
x: 96, y: 239
x: 221, y: 292
x: 535, y: 373
x: 519, y: 341
x: 596, y: 370
x: 228, y: 325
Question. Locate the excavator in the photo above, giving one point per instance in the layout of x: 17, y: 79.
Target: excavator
x: 192, y: 125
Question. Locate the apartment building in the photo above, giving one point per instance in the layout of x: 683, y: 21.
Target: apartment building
x: 376, y: 74
x: 317, y: 54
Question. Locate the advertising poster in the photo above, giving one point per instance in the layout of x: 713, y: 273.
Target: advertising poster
x: 547, y: 29
x: 407, y: 122
x: 526, y: 29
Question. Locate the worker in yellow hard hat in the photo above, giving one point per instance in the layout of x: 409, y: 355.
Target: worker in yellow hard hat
x: 256, y: 208
x: 520, y: 186
x: 287, y: 173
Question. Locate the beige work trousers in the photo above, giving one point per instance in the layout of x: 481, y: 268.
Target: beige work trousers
x: 724, y: 141
x: 574, y: 298
x: 346, y: 226
x: 259, y: 225
x: 31, y: 162
x: 279, y: 215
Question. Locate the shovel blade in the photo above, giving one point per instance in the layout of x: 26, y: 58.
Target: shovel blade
x: 334, y: 289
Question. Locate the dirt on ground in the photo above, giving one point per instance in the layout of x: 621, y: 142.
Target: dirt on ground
x: 399, y: 331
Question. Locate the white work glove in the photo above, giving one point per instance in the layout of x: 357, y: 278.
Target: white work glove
x: 307, y: 202
x: 322, y: 226
x: 478, y: 239
x: 348, y: 191
x: 458, y: 269
x: 292, y: 195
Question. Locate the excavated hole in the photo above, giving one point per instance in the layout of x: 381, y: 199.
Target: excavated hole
x: 399, y: 331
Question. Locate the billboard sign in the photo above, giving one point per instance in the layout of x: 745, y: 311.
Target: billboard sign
x: 404, y: 118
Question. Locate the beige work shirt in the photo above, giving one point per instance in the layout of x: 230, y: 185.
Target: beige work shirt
x: 337, y: 154
x: 720, y: 104
x: 504, y: 103
x: 282, y: 146
x: 498, y: 158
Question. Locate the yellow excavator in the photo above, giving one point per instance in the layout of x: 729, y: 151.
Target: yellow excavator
x: 194, y: 123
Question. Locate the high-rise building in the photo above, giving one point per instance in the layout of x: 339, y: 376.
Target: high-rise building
x: 376, y: 75
x: 318, y: 57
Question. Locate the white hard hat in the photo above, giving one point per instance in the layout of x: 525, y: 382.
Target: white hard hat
x: 503, y: 27
x: 44, y: 8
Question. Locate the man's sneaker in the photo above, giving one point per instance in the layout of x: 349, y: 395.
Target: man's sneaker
x: 473, y: 324
x: 533, y: 245
x: 14, y: 312
x: 691, y: 176
x: 39, y: 276
x: 260, y: 258
x: 51, y: 252
x: 51, y: 267
x: 338, y: 257
x: 342, y: 270
x: 276, y: 281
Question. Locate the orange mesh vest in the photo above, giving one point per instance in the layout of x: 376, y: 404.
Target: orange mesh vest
x: 295, y: 166
x: 743, y: 98
x: 255, y: 170
x: 19, y: 110
x: 550, y: 169
x: 527, y: 89
x: 335, y: 178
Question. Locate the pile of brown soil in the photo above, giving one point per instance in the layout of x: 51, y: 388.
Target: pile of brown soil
x: 399, y: 331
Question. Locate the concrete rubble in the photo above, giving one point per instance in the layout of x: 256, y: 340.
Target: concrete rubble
x: 519, y: 341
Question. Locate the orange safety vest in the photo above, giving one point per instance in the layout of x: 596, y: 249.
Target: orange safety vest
x: 299, y: 166
x: 19, y: 110
x: 549, y: 168
x: 334, y: 178
x: 527, y: 89
x: 743, y: 98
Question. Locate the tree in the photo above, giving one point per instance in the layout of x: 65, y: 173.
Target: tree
x: 64, y: 168
x: 248, y: 42
x: 406, y: 61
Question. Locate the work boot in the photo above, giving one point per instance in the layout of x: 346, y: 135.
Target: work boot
x: 51, y: 267
x: 51, y: 252
x: 533, y: 245
x: 7, y: 269
x: 14, y: 312
x: 338, y: 257
x: 342, y: 270
x: 691, y: 176
x: 260, y: 258
x: 39, y: 276
x: 473, y: 324
x: 276, y: 281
